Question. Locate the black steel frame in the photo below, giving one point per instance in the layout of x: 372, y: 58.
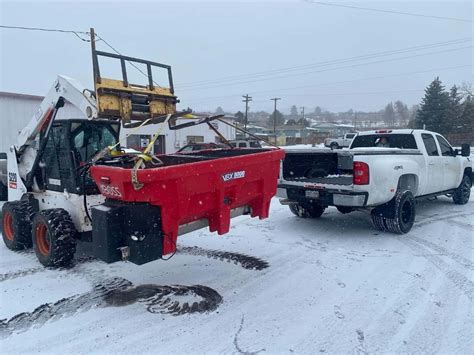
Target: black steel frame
x: 123, y: 59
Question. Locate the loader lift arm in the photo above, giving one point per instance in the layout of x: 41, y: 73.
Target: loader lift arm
x: 28, y: 146
x: 64, y: 88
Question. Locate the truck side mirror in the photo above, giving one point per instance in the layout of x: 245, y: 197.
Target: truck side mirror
x: 465, y: 150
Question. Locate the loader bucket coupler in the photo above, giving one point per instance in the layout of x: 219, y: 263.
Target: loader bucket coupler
x: 125, y: 101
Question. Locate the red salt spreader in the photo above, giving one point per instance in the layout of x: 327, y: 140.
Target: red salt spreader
x: 147, y: 208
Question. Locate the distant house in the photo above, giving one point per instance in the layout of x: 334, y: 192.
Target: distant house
x: 333, y: 129
x: 294, y: 131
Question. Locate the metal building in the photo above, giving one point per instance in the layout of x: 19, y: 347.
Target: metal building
x: 16, y: 110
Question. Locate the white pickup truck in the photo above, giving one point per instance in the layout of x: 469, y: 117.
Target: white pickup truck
x: 341, y: 142
x: 382, y: 171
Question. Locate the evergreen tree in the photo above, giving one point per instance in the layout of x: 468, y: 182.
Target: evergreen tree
x: 219, y: 111
x: 280, y: 119
x: 453, y: 119
x: 294, y: 111
x: 434, y: 108
x: 467, y: 117
x: 239, y: 117
x: 303, y: 122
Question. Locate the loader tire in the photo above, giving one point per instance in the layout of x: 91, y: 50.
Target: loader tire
x: 54, y: 237
x: 16, y: 224
x: 462, y: 194
x: 403, y: 210
x: 307, y: 210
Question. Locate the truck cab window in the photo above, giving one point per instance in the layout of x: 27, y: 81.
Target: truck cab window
x: 401, y: 141
x: 430, y: 144
x: 446, y: 150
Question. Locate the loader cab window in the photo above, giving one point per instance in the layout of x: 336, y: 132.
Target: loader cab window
x: 89, y: 139
x: 55, y: 147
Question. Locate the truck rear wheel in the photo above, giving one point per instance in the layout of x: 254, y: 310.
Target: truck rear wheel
x: 403, y: 210
x: 54, y: 237
x: 307, y: 210
x: 463, y: 192
x: 16, y: 224
x: 345, y: 209
x: 379, y: 223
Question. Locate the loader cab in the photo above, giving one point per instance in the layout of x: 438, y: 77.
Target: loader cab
x: 70, y: 145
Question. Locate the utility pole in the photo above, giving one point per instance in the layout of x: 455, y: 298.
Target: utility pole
x: 95, y: 63
x: 302, y: 124
x: 302, y: 111
x: 275, y: 115
x: 246, y: 99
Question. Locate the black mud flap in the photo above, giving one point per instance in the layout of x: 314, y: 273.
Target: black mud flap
x: 386, y: 210
x: 126, y: 231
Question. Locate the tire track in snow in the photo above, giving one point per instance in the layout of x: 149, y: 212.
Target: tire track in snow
x: 30, y: 271
x: 443, y: 251
x: 118, y: 292
x: 437, y: 218
x: 459, y: 280
x: 246, y: 261
x: 20, y: 273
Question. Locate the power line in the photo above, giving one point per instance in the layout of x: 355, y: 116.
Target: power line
x: 359, y: 93
x: 329, y: 69
x: 207, y: 99
x: 77, y: 34
x: 49, y: 30
x: 389, y: 11
x: 328, y: 62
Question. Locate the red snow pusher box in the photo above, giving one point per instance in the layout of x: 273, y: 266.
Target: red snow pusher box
x: 189, y: 191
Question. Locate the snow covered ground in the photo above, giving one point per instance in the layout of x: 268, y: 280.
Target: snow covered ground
x: 318, y: 286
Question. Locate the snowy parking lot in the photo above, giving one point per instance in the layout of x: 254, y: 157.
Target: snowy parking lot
x: 305, y: 286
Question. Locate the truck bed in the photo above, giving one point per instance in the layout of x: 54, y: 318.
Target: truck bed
x: 318, y: 166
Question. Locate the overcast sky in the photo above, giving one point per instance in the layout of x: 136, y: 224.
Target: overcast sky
x: 208, y: 42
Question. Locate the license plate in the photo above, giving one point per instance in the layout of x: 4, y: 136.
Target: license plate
x: 312, y: 194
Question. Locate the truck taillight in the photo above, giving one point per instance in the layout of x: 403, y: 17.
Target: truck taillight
x: 360, y: 173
